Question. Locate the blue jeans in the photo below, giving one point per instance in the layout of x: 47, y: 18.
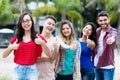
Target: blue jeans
x: 25, y: 72
x: 87, y: 74
x: 104, y: 74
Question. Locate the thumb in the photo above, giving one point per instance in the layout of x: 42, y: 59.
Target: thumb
x: 108, y: 35
x: 37, y: 35
x: 15, y: 41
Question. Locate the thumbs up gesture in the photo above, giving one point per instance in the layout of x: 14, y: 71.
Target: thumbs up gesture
x: 90, y: 43
x: 110, y: 39
x: 56, y: 43
x: 15, y: 45
x: 38, y: 40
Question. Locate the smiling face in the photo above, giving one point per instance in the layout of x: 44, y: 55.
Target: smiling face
x: 26, y: 23
x: 87, y: 30
x: 49, y: 25
x: 66, y: 30
x: 103, y: 21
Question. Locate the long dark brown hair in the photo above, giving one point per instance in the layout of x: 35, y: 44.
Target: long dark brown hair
x: 93, y: 35
x: 20, y: 31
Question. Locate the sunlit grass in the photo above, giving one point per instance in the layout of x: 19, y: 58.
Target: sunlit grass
x: 4, y: 78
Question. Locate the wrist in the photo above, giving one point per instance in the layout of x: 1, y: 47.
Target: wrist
x: 42, y: 42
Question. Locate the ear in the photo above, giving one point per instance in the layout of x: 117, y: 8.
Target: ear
x: 97, y: 21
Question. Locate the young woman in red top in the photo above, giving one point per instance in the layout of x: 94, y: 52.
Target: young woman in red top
x: 25, y: 44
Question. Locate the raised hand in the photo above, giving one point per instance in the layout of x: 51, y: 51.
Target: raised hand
x: 9, y: 49
x: 74, y: 45
x: 110, y: 39
x: 56, y: 43
x: 90, y: 43
x: 15, y: 45
x: 38, y: 40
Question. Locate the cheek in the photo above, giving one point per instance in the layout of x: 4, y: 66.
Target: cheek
x: 99, y: 22
x: 90, y: 33
x: 53, y: 27
x: 83, y: 30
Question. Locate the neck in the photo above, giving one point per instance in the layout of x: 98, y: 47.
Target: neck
x: 27, y: 33
x: 104, y: 30
x: 84, y: 38
x: 67, y: 38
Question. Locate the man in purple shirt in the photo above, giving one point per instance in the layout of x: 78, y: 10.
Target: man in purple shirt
x: 104, y: 58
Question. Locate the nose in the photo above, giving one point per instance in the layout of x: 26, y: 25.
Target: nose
x: 51, y: 26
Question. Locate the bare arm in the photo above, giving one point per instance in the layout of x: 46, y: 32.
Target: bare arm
x: 77, y: 64
x: 9, y: 49
x: 53, y: 52
x: 45, y: 48
x: 73, y: 46
x: 7, y: 52
x: 78, y: 75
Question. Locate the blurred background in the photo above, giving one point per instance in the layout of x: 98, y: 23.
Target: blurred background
x: 77, y: 11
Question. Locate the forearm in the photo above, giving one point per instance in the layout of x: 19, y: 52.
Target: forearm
x: 7, y: 52
x: 78, y: 68
x: 91, y: 44
x: 43, y: 59
x: 54, y: 54
x: 46, y: 50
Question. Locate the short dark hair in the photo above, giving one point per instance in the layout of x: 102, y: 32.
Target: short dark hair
x: 102, y: 13
x: 51, y: 17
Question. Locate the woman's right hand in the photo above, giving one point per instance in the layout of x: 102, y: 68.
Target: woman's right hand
x: 14, y: 46
x: 38, y: 40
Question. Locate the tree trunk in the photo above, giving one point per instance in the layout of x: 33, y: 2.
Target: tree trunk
x: 21, y: 6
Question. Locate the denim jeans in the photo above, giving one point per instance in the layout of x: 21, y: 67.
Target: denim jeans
x: 104, y: 74
x: 87, y: 74
x: 25, y: 72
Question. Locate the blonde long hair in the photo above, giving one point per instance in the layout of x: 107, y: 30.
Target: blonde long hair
x: 72, y: 36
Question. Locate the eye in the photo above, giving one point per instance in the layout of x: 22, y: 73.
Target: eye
x: 102, y: 20
x: 27, y: 20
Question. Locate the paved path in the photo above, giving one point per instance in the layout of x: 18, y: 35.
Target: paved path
x: 6, y: 65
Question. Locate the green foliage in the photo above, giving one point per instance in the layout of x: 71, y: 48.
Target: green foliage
x: 3, y: 6
x: 69, y: 9
x: 6, y: 12
x: 74, y: 15
x: 112, y: 8
x: 46, y: 9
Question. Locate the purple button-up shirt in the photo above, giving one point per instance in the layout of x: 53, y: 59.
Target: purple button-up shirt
x: 107, y: 57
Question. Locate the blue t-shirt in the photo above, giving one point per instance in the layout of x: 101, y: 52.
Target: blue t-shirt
x: 85, y: 58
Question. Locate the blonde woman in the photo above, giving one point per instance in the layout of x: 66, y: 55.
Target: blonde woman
x: 68, y: 53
